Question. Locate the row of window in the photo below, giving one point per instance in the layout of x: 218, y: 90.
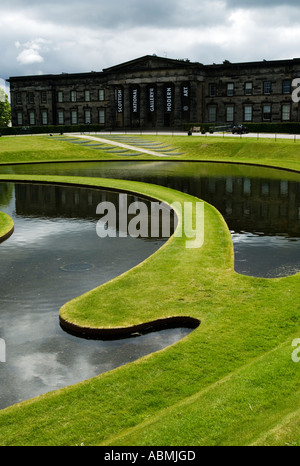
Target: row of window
x: 61, y: 117
x: 248, y: 113
x: 72, y: 96
x: 249, y: 89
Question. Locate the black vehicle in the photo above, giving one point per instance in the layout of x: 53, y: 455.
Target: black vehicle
x: 239, y: 129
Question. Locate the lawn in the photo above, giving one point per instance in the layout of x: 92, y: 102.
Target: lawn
x: 231, y: 381
x: 6, y: 226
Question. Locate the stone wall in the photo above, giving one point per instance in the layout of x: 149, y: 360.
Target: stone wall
x: 152, y: 92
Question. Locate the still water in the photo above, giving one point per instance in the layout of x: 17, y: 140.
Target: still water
x: 260, y: 205
x: 55, y: 255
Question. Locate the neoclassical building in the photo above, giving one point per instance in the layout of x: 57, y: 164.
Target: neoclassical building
x: 154, y: 92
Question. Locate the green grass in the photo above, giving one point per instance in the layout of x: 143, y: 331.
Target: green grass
x: 231, y: 381
x: 211, y: 148
x: 6, y: 226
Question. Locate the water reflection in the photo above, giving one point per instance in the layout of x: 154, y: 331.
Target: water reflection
x: 53, y: 256
x: 260, y: 205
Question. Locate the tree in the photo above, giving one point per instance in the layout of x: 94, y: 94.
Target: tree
x: 5, y: 111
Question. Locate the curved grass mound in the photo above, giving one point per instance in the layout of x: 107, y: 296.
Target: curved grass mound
x: 6, y: 226
x: 231, y: 381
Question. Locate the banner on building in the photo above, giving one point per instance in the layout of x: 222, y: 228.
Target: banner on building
x: 152, y: 99
x: 185, y: 97
x: 120, y: 100
x: 135, y: 100
x: 169, y: 98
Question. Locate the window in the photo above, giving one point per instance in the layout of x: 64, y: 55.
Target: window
x: 230, y: 113
x: 248, y: 88
x: 286, y: 87
x: 87, y: 96
x: 248, y: 113
x: 61, y: 117
x: 73, y: 96
x: 87, y: 117
x: 101, y: 94
x: 212, y: 90
x: 31, y: 118
x: 212, y: 114
x: 31, y: 98
x: 267, y: 112
x: 19, y: 119
x: 18, y: 98
x: 44, y: 97
x: 286, y: 112
x: 267, y: 87
x: 74, y: 117
x: 44, y: 117
x: 60, y: 97
x: 102, y: 116
x: 230, y: 89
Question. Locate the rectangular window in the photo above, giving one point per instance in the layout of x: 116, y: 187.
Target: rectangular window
x: 286, y: 87
x: 31, y: 98
x: 73, y: 96
x: 19, y: 98
x: 74, y: 117
x: 230, y: 113
x: 267, y: 87
x: 101, y: 95
x: 286, y: 112
x: 248, y: 88
x: 87, y: 96
x: 44, y: 117
x: 212, y: 90
x: 44, y: 97
x: 60, y: 97
x: 19, y: 118
x: 267, y: 112
x: 102, y: 116
x: 212, y: 114
x: 230, y: 89
x: 31, y: 118
x: 248, y: 113
x: 87, y: 117
x: 60, y: 117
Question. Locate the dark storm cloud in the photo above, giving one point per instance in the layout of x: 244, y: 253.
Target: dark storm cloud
x: 119, y: 13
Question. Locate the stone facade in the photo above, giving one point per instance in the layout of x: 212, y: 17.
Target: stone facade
x: 153, y: 92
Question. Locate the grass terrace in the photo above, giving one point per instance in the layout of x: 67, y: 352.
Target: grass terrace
x: 231, y: 381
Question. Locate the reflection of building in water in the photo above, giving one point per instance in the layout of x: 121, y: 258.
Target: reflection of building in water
x: 56, y: 201
x: 249, y: 204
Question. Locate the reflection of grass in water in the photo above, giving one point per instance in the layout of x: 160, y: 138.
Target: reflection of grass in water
x: 6, y: 193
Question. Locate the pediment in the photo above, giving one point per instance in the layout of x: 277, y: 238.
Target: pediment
x: 149, y: 62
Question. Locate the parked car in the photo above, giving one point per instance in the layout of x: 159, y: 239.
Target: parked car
x: 240, y: 129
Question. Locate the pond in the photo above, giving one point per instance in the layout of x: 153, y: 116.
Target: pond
x: 260, y: 205
x: 55, y: 255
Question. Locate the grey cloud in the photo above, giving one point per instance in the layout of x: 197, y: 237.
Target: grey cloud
x: 122, y: 14
x: 261, y: 3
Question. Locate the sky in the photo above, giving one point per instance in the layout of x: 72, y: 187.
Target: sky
x: 52, y: 37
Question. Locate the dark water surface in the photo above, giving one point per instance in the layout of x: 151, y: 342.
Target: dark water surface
x: 260, y: 205
x: 55, y: 255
